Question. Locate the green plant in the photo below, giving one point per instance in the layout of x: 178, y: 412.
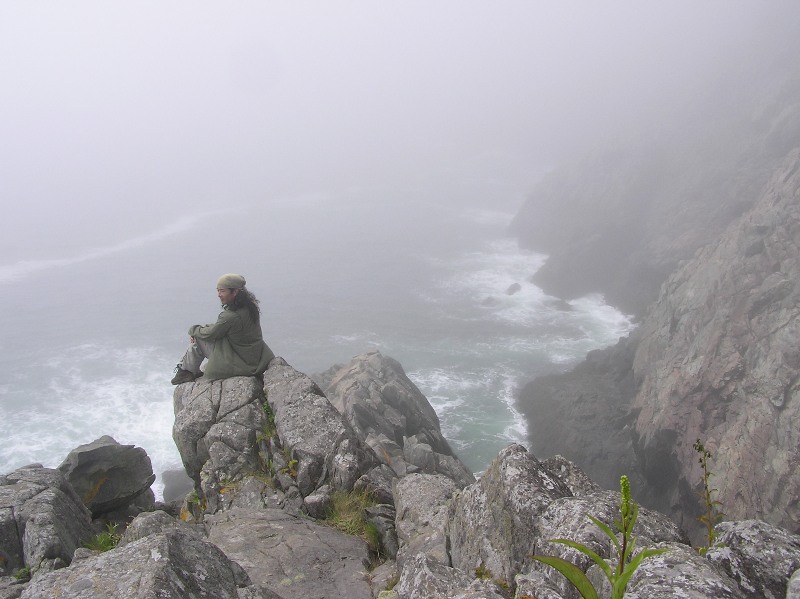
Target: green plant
x: 712, y: 514
x: 105, y: 540
x: 346, y: 513
x: 483, y: 572
x: 627, y: 562
x: 269, y: 429
x: 23, y: 574
x: 290, y: 468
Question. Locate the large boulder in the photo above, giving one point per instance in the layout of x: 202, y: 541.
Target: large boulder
x: 386, y: 409
x: 42, y: 520
x: 326, y: 448
x: 493, y: 524
x: 172, y: 565
x: 216, y: 428
x: 759, y: 556
x: 109, y: 476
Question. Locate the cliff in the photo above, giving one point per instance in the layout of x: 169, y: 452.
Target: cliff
x: 715, y: 358
x: 270, y: 461
x: 620, y: 221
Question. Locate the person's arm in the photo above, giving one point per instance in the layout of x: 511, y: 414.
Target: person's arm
x: 225, y: 322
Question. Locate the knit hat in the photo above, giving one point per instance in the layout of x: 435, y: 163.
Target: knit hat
x: 231, y: 281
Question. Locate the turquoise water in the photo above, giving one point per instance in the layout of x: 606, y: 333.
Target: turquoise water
x: 91, y: 334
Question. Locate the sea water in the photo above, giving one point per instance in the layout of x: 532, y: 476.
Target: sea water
x: 91, y: 333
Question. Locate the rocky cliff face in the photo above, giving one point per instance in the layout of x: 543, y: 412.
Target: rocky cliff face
x: 620, y: 221
x: 719, y: 360
x: 715, y: 358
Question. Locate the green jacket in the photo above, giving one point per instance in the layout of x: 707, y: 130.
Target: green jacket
x: 239, y: 348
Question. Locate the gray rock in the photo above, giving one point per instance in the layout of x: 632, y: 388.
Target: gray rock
x: 318, y: 504
x: 109, y: 476
x: 680, y: 572
x: 793, y: 588
x: 293, y: 557
x: 148, y: 523
x: 170, y: 565
x: 493, y: 523
x: 759, y: 556
x: 421, y: 501
x: 326, y: 448
x: 176, y: 484
x: 215, y: 430
x: 42, y: 520
x: 390, y: 413
x: 382, y: 517
x: 427, y: 577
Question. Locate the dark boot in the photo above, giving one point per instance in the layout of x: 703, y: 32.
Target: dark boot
x: 183, y: 376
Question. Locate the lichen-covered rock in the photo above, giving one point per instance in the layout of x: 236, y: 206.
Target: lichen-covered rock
x: 108, y: 476
x: 493, y: 523
x: 793, y: 588
x: 759, y: 556
x: 293, y: 557
x: 389, y: 412
x: 215, y: 430
x: 42, y: 520
x: 170, y: 565
x: 326, y: 448
x: 421, y: 501
x: 568, y: 518
x: 427, y: 577
x: 680, y: 572
x: 149, y: 523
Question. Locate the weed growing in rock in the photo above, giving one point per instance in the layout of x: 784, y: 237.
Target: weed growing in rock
x: 712, y: 514
x: 347, y: 514
x: 23, y: 574
x: 269, y: 429
x: 104, y: 541
x: 627, y: 563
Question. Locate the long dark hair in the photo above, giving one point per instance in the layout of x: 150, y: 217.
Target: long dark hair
x: 245, y: 299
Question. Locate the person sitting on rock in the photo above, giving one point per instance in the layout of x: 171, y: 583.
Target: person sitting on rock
x: 234, y: 345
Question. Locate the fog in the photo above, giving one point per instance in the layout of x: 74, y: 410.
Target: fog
x: 117, y: 118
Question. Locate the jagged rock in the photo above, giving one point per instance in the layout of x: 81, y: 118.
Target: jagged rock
x: 293, y: 557
x: 326, y: 448
x: 170, y: 565
x: 42, y: 520
x: 386, y: 409
x: 146, y: 524
x: 493, y: 523
x: 680, y: 572
x: 576, y: 480
x: 759, y: 556
x: 176, y: 485
x: 383, y: 579
x: 318, y: 504
x: 535, y: 584
x: 426, y: 577
x: 109, y: 476
x: 215, y: 430
x: 421, y: 504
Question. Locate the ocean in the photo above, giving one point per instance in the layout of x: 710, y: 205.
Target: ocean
x: 92, y: 332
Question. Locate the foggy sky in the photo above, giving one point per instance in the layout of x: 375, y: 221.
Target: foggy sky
x: 118, y: 117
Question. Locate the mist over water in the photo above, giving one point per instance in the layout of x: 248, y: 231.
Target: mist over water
x: 90, y: 347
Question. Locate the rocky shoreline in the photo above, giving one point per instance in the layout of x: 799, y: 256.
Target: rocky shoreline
x: 268, y: 462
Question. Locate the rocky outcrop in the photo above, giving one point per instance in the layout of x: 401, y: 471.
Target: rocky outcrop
x: 254, y: 541
x: 386, y: 409
x: 716, y: 358
x: 42, y: 520
x: 109, y: 476
x: 215, y: 430
x: 171, y: 564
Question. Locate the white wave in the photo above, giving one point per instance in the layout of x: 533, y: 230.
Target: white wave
x: 11, y: 273
x: 133, y: 405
